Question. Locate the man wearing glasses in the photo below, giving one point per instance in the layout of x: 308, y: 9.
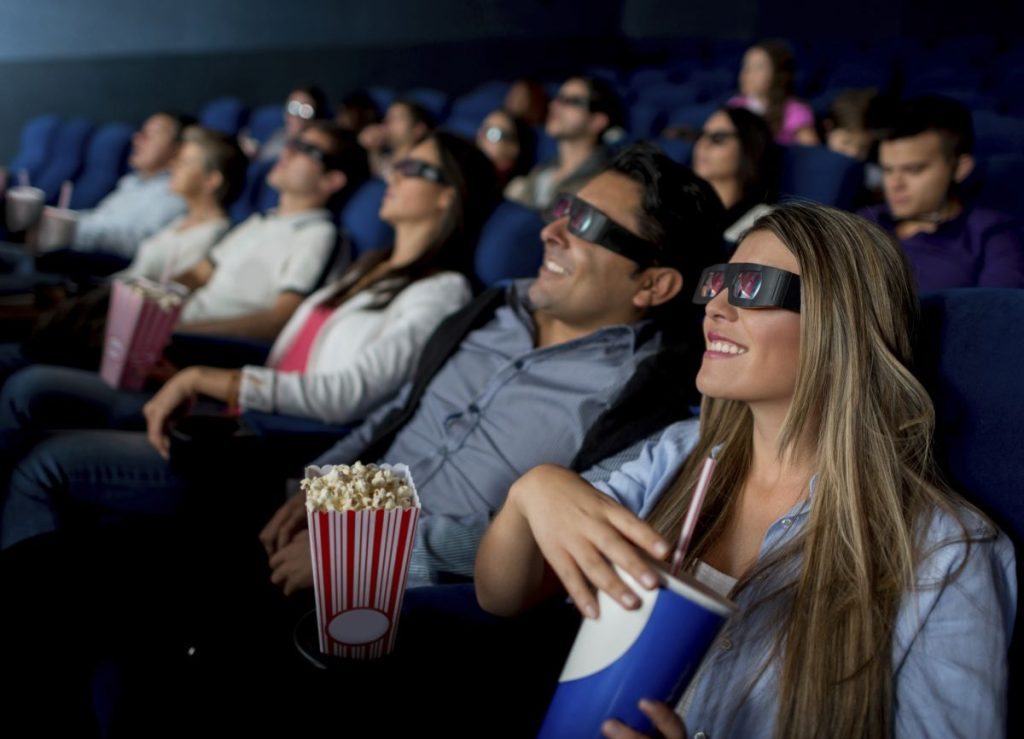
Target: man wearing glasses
x: 585, y: 113
x: 574, y: 365
x: 256, y: 277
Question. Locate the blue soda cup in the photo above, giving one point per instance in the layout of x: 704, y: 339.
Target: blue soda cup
x: 622, y: 656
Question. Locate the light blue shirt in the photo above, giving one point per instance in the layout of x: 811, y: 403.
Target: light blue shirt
x: 134, y: 211
x: 950, y: 641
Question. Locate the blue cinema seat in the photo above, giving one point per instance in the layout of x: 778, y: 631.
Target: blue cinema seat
x: 225, y: 114
x: 34, y: 148
x: 480, y: 101
x: 436, y: 101
x: 967, y: 356
x: 256, y: 195
x: 819, y: 174
x: 106, y: 160
x: 360, y: 220
x: 264, y: 121
x: 67, y: 156
x: 510, y: 245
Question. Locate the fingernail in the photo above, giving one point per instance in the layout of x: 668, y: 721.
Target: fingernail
x: 608, y: 728
x: 649, y: 580
x: 661, y: 549
x: 644, y: 703
x: 629, y: 600
x: 590, y: 611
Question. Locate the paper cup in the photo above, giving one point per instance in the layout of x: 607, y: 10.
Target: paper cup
x: 24, y: 206
x: 56, y: 228
x: 623, y: 656
x: 360, y: 563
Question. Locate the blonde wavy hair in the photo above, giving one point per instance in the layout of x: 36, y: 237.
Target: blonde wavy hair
x: 872, y: 422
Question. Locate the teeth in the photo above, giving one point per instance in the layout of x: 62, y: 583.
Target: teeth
x: 556, y: 268
x: 725, y: 347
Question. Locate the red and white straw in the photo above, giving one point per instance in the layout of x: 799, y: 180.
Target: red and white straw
x: 690, y: 522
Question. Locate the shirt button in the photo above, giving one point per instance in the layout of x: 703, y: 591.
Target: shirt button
x: 519, y: 364
x: 700, y: 735
x: 787, y: 522
x: 725, y: 645
x: 473, y: 408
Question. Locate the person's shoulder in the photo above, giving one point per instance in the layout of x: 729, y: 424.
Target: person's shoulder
x: 982, y: 219
x: 953, y: 536
x: 440, y: 284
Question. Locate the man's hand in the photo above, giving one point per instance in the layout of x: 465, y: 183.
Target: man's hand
x: 292, y: 566
x: 281, y: 529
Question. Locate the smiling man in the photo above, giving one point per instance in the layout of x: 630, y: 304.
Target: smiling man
x: 949, y: 242
x: 596, y: 353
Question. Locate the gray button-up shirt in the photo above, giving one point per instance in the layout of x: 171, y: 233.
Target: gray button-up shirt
x: 134, y: 211
x: 498, y: 407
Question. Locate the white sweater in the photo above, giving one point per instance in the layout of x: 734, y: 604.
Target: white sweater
x: 359, y: 358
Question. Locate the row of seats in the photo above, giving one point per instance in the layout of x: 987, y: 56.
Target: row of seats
x: 53, y: 150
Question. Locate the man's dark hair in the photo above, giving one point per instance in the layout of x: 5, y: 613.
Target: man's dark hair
x: 181, y: 122
x: 418, y: 113
x: 679, y: 212
x: 603, y: 99
x: 345, y: 155
x: 318, y: 96
x: 948, y: 118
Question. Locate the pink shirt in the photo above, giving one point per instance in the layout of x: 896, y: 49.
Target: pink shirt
x: 795, y: 115
x: 296, y: 358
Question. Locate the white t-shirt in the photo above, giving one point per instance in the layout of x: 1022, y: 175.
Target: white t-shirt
x: 359, y: 358
x: 261, y: 258
x: 175, y: 249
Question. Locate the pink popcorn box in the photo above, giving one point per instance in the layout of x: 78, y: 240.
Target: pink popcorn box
x: 138, y: 329
x: 360, y: 564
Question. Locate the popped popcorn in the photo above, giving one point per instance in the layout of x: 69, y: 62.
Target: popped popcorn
x: 357, y: 487
x: 164, y: 296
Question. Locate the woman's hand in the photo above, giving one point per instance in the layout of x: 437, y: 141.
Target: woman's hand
x: 177, y: 391
x: 582, y: 532
x: 665, y: 720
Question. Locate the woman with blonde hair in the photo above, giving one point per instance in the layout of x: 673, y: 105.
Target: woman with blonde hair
x: 873, y: 601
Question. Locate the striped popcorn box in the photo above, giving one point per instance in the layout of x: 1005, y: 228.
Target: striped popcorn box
x: 360, y: 562
x: 140, y: 322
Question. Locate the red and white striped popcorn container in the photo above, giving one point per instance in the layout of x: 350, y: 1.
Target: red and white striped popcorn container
x: 140, y: 322
x: 360, y: 564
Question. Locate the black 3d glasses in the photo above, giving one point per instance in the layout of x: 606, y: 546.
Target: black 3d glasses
x: 420, y: 169
x: 750, y: 286
x: 590, y: 224
x: 312, y: 150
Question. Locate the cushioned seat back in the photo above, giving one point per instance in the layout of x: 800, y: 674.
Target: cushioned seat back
x: 66, y: 156
x: 819, y: 174
x: 509, y: 245
x: 967, y: 356
x: 226, y: 115
x: 360, y: 220
x: 34, y: 149
x: 106, y: 160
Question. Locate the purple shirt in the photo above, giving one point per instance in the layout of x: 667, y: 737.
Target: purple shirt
x: 978, y: 248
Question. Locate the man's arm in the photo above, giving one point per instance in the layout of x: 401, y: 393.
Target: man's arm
x: 264, y: 324
x: 1003, y: 259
